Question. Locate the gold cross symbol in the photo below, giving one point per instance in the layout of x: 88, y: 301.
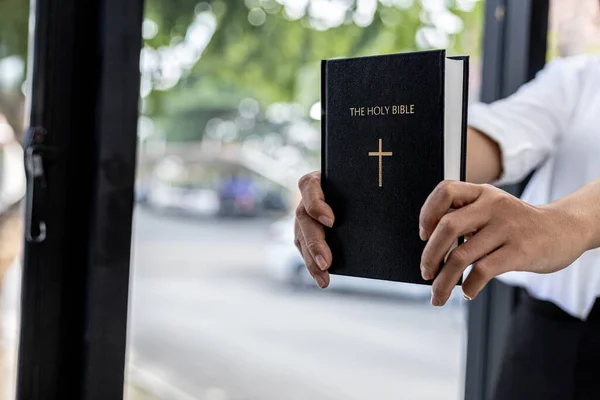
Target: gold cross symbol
x: 380, y: 154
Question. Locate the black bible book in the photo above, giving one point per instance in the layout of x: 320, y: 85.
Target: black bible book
x: 393, y: 127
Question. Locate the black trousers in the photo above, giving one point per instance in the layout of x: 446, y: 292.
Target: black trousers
x: 550, y: 355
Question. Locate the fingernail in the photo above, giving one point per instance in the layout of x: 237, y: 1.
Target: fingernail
x: 435, y: 302
x: 467, y: 297
x: 319, y: 280
x: 321, y: 262
x: 326, y: 221
x: 426, y: 274
x: 421, y: 233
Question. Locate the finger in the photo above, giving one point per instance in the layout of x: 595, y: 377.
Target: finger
x: 484, y: 270
x: 483, y: 243
x: 446, y: 195
x: 450, y: 227
x: 313, y: 199
x: 321, y: 277
x: 297, y: 235
x: 314, y: 239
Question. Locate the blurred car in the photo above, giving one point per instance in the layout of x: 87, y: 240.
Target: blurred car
x: 286, y: 266
x: 182, y: 199
x: 238, y: 197
x: 274, y: 201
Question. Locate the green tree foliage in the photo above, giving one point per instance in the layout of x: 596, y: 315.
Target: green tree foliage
x: 276, y: 59
x: 13, y: 27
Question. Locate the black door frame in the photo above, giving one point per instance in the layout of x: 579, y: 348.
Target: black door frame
x: 84, y: 82
x: 514, y: 50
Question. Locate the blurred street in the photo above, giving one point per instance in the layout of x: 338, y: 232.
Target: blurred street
x: 205, y: 317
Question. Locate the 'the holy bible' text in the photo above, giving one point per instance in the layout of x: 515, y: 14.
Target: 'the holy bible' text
x: 382, y: 110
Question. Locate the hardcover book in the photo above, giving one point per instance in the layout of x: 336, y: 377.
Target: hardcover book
x: 393, y: 127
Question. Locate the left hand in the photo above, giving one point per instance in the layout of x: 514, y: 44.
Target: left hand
x: 504, y: 234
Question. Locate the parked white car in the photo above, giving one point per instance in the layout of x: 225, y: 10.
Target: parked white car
x: 192, y: 201
x: 285, y: 265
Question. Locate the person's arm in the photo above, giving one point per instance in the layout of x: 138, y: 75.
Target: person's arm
x: 583, y: 209
x: 484, y: 160
x: 509, y: 138
x: 507, y: 234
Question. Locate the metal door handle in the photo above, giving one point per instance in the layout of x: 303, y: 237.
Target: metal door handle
x: 37, y: 156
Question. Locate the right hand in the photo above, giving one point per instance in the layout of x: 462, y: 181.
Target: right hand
x: 311, y: 215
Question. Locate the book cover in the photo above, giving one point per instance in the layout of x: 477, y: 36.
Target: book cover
x: 382, y: 155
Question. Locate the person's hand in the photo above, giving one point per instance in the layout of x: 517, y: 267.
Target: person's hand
x: 503, y: 234
x: 312, y: 213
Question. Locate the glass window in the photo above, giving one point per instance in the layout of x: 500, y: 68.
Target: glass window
x: 222, y: 306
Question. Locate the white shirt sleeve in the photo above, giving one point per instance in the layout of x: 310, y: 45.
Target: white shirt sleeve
x: 528, y: 124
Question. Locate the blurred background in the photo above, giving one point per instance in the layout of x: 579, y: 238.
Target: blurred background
x: 221, y: 307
